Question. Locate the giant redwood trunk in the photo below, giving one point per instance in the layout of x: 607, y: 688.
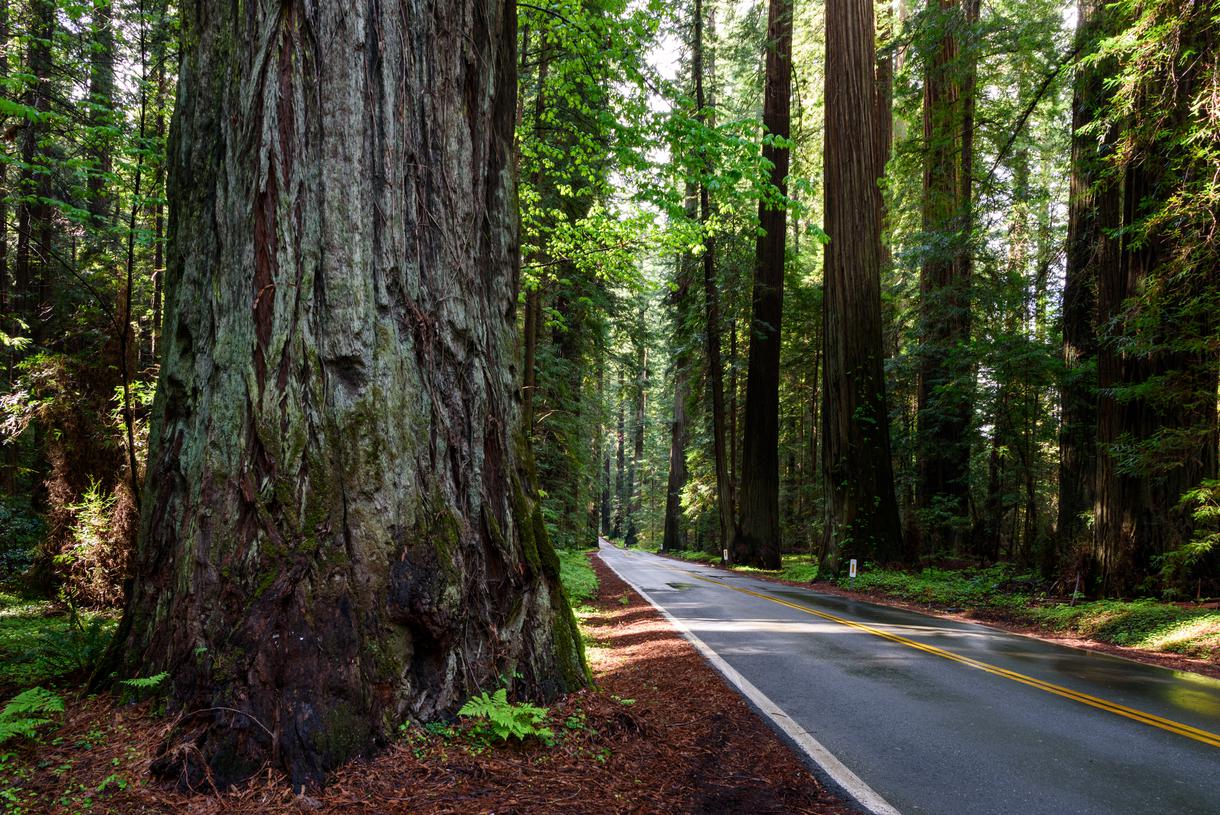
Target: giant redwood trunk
x: 945, y: 375
x: 1087, y: 244
x: 862, y: 511
x: 758, y: 532
x: 1157, y: 359
x: 340, y: 531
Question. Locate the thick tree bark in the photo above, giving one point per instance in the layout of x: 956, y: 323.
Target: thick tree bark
x: 1157, y: 359
x: 758, y: 530
x: 1086, y: 245
x: 340, y: 530
x: 711, y: 303
x: 863, y: 513
x: 945, y: 374
x: 1136, y: 513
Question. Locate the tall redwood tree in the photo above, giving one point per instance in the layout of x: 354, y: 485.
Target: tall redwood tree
x: 862, y: 512
x: 757, y: 538
x: 340, y: 530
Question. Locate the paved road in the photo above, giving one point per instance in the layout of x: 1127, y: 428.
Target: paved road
x: 939, y: 716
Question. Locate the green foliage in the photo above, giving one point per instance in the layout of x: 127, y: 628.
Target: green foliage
x: 20, y: 533
x: 577, y: 576
x: 1203, y: 505
x: 1147, y: 624
x: 996, y: 587
x: 495, y: 716
x: 1141, y: 624
x: 40, y: 643
x: 145, y: 683
x: 27, y: 712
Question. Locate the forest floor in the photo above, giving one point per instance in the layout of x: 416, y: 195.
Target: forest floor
x: 660, y: 732
x: 1181, y: 636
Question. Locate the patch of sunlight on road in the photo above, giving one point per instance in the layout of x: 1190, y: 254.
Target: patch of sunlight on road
x: 765, y: 626
x: 1193, y: 700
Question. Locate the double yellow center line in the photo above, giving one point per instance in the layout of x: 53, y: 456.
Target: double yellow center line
x: 1067, y: 693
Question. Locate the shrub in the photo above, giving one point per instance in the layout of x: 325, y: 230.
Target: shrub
x: 577, y: 576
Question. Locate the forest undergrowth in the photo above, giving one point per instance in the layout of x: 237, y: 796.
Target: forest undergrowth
x: 659, y: 732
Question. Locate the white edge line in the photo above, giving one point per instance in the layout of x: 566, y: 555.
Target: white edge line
x: 864, y: 795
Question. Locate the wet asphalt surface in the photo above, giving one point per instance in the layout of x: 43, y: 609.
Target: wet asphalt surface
x: 931, y: 735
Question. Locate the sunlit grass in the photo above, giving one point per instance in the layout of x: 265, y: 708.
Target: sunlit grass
x: 1139, y: 624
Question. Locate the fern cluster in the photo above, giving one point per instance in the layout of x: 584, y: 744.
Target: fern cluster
x: 496, y: 716
x: 28, y: 711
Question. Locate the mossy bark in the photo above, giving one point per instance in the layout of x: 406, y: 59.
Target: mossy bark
x: 340, y: 528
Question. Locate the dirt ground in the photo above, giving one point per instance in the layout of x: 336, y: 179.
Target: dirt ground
x: 660, y: 733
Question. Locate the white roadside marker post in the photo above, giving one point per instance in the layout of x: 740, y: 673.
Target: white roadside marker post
x: 851, y: 570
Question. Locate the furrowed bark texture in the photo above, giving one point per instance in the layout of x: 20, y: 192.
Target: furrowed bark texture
x: 863, y: 513
x: 1157, y: 370
x: 1086, y: 245
x: 945, y: 375
x: 340, y: 530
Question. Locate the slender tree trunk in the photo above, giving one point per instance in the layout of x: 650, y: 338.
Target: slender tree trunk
x: 863, y: 513
x: 734, y: 393
x: 674, y: 534
x: 8, y: 466
x: 620, y: 474
x: 758, y: 530
x: 160, y: 55
x: 607, y: 513
x: 602, y: 455
x: 31, y: 274
x: 885, y: 101
x: 594, y: 503
x: 635, y: 486
x: 533, y: 295
x: 1086, y: 245
x: 100, y: 202
x: 711, y: 302
x: 340, y: 529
